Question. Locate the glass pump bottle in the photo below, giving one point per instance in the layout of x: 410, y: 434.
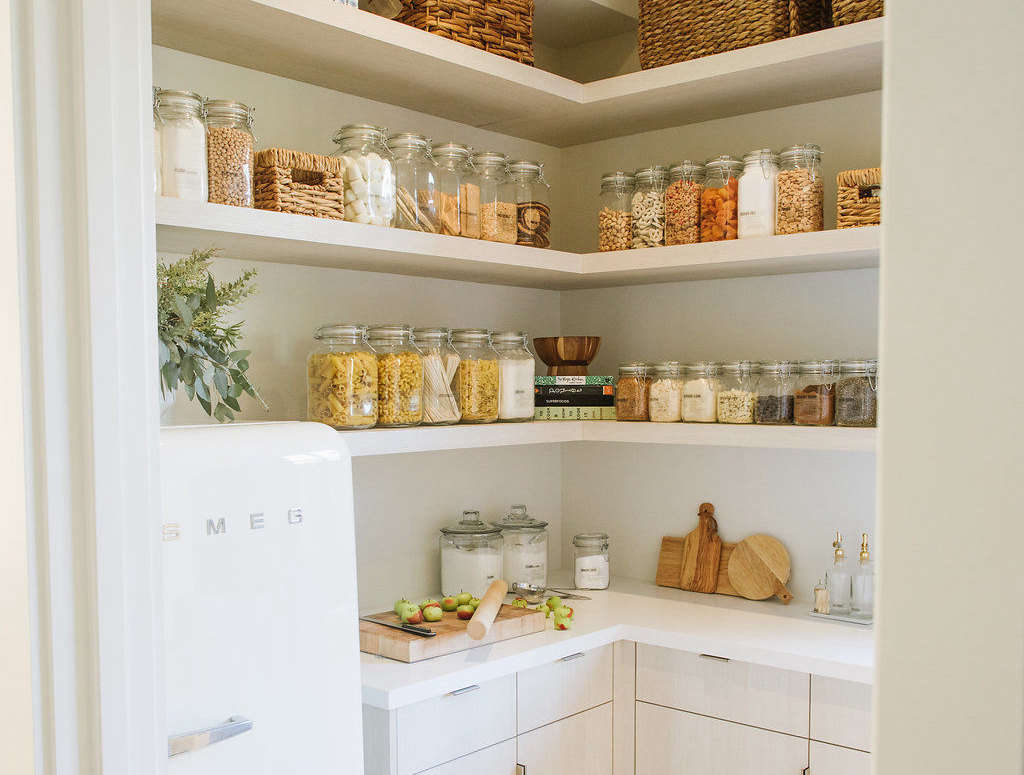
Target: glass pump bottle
x: 838, y: 579
x: 862, y: 603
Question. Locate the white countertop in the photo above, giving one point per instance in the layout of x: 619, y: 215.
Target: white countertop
x: 764, y: 632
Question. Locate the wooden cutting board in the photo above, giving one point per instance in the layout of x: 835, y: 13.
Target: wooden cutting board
x: 759, y: 568
x: 451, y: 635
x: 702, y: 550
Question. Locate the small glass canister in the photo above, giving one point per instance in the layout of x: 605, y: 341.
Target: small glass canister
x: 775, y: 394
x: 666, y: 392
x: 452, y: 175
x: 590, y: 560
x: 183, y: 173
x: 757, y: 194
x: 516, y: 372
x: 700, y: 392
x: 416, y: 183
x: 470, y: 555
x: 533, y: 208
x: 800, y: 190
x: 632, y: 392
x: 648, y: 206
x: 229, y: 151
x: 719, y: 199
x: 399, y: 376
x: 525, y: 553
x: 477, y: 375
x: 857, y: 394
x: 814, y: 393
x: 737, y: 394
x: 369, y: 174
x: 440, y: 366
x: 682, y: 203
x: 497, y: 197
x: 341, y: 378
x: 615, y: 218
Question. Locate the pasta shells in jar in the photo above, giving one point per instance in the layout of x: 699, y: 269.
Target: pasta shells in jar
x: 648, y: 206
x: 341, y: 378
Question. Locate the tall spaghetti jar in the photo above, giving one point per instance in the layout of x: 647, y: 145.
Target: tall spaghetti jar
x: 399, y: 376
x: 416, y: 183
x: 341, y: 378
x: 452, y: 173
x: 440, y: 365
x: 497, y: 197
x: 477, y: 377
x: 682, y: 203
x: 533, y: 209
x: 719, y: 201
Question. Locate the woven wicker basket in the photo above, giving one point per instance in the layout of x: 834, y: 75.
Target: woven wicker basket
x: 302, y: 183
x: 859, y: 200
x: 503, y: 27
x: 850, y: 11
x: 673, y: 31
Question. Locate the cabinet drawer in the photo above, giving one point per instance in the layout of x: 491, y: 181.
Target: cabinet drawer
x: 676, y: 741
x: 499, y: 759
x: 559, y: 689
x: 737, y: 691
x: 578, y: 744
x: 841, y: 712
x: 455, y: 724
x: 833, y: 760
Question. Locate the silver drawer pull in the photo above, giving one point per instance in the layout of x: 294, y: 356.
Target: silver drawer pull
x: 571, y: 657
x: 464, y: 690
x: 716, y: 658
x: 201, y: 738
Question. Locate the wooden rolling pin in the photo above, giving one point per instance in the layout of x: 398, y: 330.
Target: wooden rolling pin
x: 490, y: 604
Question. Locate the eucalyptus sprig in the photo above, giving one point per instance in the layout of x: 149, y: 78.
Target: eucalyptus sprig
x: 197, y: 347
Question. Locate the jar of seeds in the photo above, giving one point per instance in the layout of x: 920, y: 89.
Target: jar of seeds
x: 666, y: 393
x: 737, y: 395
x: 632, y: 392
x: 857, y: 394
x: 682, y: 203
x: 399, y: 376
x: 775, y: 394
x: 229, y: 151
x: 477, y: 376
x: 615, y: 218
x: 648, y: 206
x: 800, y: 190
x: 814, y: 393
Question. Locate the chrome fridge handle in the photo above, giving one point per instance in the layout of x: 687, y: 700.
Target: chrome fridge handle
x: 201, y: 738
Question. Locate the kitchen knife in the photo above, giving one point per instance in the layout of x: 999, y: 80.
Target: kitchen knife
x: 423, y: 632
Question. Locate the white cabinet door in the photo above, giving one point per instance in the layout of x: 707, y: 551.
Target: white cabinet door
x: 578, y: 744
x: 833, y: 760
x: 841, y: 712
x: 572, y: 684
x: 670, y: 741
x: 738, y: 691
x: 497, y: 760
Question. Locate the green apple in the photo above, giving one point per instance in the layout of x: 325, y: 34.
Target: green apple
x: 463, y: 598
x: 563, y: 623
x: 554, y: 603
x: 464, y: 611
x: 449, y: 603
x: 520, y: 602
x: 400, y: 604
x: 563, y: 612
x: 405, y: 608
x: 412, y: 615
x: 433, y: 613
x: 428, y: 601
x: 473, y: 602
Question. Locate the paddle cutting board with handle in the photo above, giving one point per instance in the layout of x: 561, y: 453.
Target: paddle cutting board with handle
x: 759, y: 568
x: 702, y: 550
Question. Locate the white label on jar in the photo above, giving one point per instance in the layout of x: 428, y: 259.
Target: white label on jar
x: 699, y: 401
x: 183, y: 159
x: 592, y: 572
x: 756, y: 203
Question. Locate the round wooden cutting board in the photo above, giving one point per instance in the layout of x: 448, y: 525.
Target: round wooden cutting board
x: 759, y: 568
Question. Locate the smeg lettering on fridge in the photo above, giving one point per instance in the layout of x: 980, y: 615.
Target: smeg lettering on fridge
x: 218, y: 525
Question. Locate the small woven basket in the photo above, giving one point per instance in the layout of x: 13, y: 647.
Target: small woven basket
x: 503, y: 27
x: 850, y: 11
x: 672, y: 31
x: 301, y: 183
x: 859, y: 200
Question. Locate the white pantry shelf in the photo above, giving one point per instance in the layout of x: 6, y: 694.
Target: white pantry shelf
x: 258, y: 235
x: 356, y: 52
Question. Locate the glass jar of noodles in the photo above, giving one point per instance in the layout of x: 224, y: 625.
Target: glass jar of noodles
x: 477, y: 376
x: 440, y: 365
x: 341, y: 378
x: 399, y: 376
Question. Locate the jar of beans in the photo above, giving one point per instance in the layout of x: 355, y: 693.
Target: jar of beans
x: 719, y: 200
x: 857, y: 394
x: 477, y: 378
x: 615, y: 218
x: 737, y: 393
x: 799, y: 190
x: 775, y: 394
x: 399, y: 376
x: 533, y: 209
x: 814, y: 393
x: 229, y: 151
x: 648, y: 206
x: 632, y: 392
x: 666, y: 392
x: 682, y: 203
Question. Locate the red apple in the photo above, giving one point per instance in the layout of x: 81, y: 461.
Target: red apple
x: 464, y: 612
x: 449, y: 603
x: 412, y: 616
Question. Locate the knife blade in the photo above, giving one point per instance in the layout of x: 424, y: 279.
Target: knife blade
x: 423, y: 632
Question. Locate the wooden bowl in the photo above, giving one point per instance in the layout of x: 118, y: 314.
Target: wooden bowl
x: 567, y: 355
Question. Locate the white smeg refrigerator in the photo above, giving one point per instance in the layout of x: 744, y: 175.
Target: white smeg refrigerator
x: 260, y: 613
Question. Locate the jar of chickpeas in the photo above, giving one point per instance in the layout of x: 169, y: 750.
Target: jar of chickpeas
x: 477, y: 377
x: 341, y: 378
x: 399, y: 376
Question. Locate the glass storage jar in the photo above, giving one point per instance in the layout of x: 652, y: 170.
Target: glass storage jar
x: 615, y: 218
x: 800, y: 190
x: 682, y: 203
x: 525, y: 552
x: 700, y: 392
x: 453, y: 181
x: 814, y: 393
x: 415, y: 183
x: 497, y: 197
x: 666, y: 392
x: 757, y: 194
x: 737, y: 394
x: 440, y: 365
x: 369, y: 174
x: 533, y: 208
x: 857, y: 394
x: 632, y: 392
x: 157, y: 183
x: 719, y: 199
x: 229, y: 152
x: 399, y: 376
x: 590, y: 561
x: 183, y: 172
x: 341, y: 378
x: 648, y: 206
x: 775, y: 394
x: 477, y: 375
x: 470, y: 555
x: 516, y: 370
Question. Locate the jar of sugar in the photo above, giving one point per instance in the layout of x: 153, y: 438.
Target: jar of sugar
x: 525, y: 551
x: 470, y: 555
x: 515, y: 376
x: 590, y: 560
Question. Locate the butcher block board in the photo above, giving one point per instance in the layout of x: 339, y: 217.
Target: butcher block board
x: 511, y: 622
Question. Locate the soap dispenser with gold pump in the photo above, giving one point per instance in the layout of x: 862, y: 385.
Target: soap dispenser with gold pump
x: 837, y: 579
x: 862, y: 602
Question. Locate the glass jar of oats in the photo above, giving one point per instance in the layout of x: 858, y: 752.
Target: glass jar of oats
x: 666, y: 393
x: 477, y: 377
x: 399, y: 376
x: 497, y: 197
x: 341, y: 378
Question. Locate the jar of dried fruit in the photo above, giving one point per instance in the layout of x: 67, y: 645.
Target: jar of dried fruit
x: 632, y: 392
x: 416, y: 183
x: 533, y: 208
x: 615, y: 218
x: 737, y: 395
x: 700, y: 392
x: 682, y: 203
x: 648, y: 206
x: 757, y: 194
x: 775, y: 394
x: 666, y: 392
x: 341, y: 378
x: 857, y: 394
x: 719, y: 200
x: 440, y: 365
x: 799, y: 190
x: 477, y: 376
x: 399, y: 376
x: 497, y: 197
x: 369, y: 174
x: 814, y: 394
x: 229, y: 151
